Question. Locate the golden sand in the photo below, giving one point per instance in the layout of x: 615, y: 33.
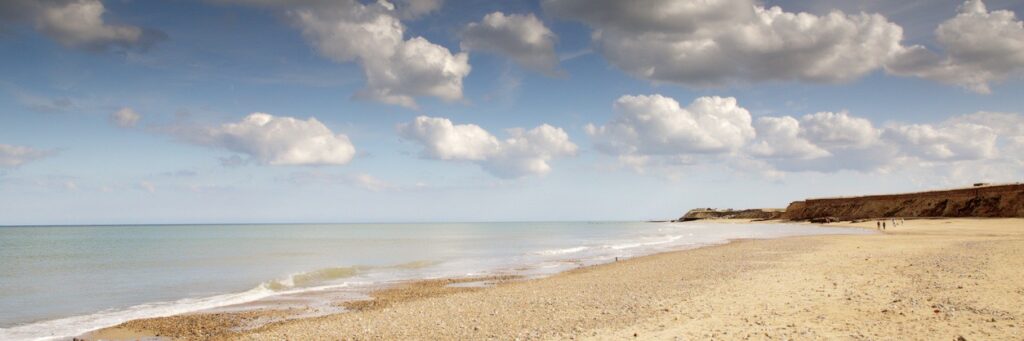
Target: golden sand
x: 928, y: 279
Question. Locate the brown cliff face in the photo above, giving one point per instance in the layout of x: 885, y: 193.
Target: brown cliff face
x: 980, y: 201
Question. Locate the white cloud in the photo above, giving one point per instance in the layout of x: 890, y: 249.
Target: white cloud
x: 983, y: 146
x: 656, y: 132
x: 1008, y: 126
x: 276, y: 140
x: 524, y: 152
x: 125, y: 118
x: 780, y: 137
x: 838, y: 130
x: 945, y: 142
x: 823, y: 142
x: 444, y: 140
x: 710, y: 43
x: 528, y: 151
x: 14, y: 156
x: 522, y: 38
x: 854, y: 143
x: 981, y: 47
x: 79, y: 24
x: 397, y: 70
x: 721, y: 42
x: 658, y: 125
x: 1005, y: 124
x: 981, y: 135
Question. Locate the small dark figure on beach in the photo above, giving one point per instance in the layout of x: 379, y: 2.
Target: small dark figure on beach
x: 883, y: 225
x: 878, y: 225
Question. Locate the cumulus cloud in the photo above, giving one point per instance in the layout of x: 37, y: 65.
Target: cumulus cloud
x: 983, y: 146
x: 125, y: 118
x: 721, y: 42
x: 980, y: 139
x: 822, y: 142
x: 275, y: 140
x: 522, y: 38
x: 780, y: 137
x: 981, y: 47
x: 854, y: 143
x: 79, y: 24
x: 522, y: 153
x: 655, y: 131
x: 1009, y: 127
x: 956, y: 141
x: 14, y: 156
x: 444, y: 140
x: 397, y: 69
x: 1005, y: 124
x: 838, y: 130
x: 658, y: 125
x: 710, y: 43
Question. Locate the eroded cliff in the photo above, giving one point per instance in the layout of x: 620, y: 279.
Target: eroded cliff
x: 980, y: 201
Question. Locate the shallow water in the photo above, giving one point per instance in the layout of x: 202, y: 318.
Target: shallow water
x: 62, y: 281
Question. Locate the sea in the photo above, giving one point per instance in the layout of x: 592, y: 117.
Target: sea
x: 57, y: 282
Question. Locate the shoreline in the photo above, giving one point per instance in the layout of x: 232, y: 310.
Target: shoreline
x: 423, y: 311
x: 315, y: 300
x: 219, y: 324
x: 229, y: 320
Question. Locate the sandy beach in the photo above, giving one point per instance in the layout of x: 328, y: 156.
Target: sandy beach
x: 935, y: 279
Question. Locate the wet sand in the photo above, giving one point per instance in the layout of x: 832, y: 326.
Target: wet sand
x: 927, y: 279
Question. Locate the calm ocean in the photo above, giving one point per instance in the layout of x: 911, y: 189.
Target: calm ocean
x: 61, y: 281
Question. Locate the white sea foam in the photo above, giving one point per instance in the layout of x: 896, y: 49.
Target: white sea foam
x: 556, y: 252
x: 77, y: 325
x: 633, y: 245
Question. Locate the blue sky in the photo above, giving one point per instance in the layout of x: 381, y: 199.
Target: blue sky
x: 428, y: 110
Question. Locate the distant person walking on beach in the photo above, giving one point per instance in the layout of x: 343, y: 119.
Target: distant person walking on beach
x: 883, y: 224
x: 878, y: 225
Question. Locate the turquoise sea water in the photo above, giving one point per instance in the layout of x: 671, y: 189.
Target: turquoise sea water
x: 61, y: 281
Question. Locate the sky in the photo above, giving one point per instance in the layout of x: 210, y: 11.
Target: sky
x: 305, y: 111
